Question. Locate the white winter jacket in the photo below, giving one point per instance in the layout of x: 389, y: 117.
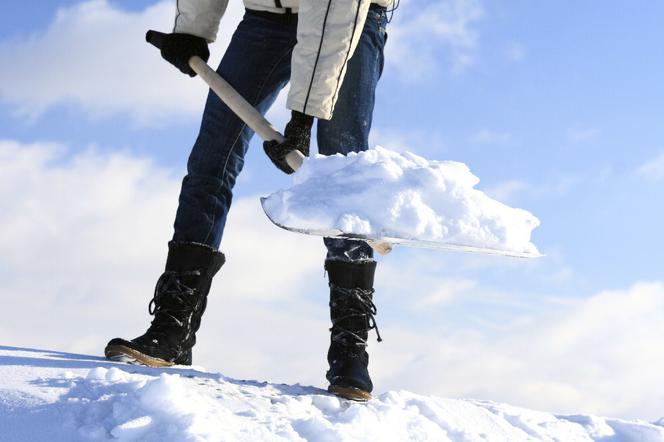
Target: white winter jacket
x: 328, y: 32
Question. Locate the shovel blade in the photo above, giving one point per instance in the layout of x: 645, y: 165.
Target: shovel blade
x: 384, y: 244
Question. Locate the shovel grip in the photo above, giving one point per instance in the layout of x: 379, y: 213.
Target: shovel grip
x: 155, y: 38
x: 245, y: 111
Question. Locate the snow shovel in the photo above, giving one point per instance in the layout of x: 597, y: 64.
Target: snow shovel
x: 256, y: 121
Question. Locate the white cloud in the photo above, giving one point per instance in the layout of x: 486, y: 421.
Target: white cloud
x: 487, y: 136
x: 83, y: 239
x: 94, y: 55
x: 445, y: 291
x: 560, y: 185
x: 554, y: 186
x: 652, y: 170
x: 427, y: 142
x: 78, y: 235
x: 506, y: 190
x: 515, y: 52
x: 601, y: 354
x: 419, y: 33
x: 582, y: 134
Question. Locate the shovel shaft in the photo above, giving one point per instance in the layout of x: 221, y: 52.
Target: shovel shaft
x: 245, y: 111
x: 235, y: 102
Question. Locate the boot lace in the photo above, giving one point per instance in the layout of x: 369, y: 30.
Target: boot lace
x: 357, y: 303
x: 172, y: 303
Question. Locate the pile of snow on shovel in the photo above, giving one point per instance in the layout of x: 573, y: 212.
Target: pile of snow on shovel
x: 386, y: 194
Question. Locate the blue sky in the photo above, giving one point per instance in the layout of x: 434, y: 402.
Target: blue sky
x: 556, y: 107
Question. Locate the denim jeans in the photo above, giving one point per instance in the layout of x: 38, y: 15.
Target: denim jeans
x: 257, y: 65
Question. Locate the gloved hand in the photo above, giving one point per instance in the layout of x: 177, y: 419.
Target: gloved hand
x: 177, y: 49
x: 298, y: 136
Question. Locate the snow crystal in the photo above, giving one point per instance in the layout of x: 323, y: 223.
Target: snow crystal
x: 98, y: 374
x: 133, y: 429
x: 385, y: 194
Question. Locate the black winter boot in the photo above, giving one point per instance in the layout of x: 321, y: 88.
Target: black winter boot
x: 178, y: 304
x: 352, y: 312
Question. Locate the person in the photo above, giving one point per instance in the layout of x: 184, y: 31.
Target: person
x: 332, y: 53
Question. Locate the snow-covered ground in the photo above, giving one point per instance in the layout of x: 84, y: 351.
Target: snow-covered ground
x: 54, y: 396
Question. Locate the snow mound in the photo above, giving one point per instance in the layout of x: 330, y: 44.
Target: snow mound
x: 385, y: 194
x: 65, y: 397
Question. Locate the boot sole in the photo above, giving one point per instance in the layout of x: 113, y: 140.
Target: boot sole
x: 350, y: 393
x: 121, y: 353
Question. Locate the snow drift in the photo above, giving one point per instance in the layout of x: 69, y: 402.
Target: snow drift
x: 385, y: 194
x: 67, y: 397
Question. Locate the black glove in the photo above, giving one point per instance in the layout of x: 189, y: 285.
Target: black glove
x: 177, y: 49
x: 298, y: 136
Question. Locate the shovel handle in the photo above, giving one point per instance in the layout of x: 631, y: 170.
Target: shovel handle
x: 155, y: 38
x: 235, y: 102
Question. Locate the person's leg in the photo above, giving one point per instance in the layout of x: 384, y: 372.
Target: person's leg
x: 257, y: 65
x: 349, y: 263
x: 348, y: 130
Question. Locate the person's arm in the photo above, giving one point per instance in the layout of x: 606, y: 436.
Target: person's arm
x: 199, y: 17
x: 196, y: 25
x: 327, y: 34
